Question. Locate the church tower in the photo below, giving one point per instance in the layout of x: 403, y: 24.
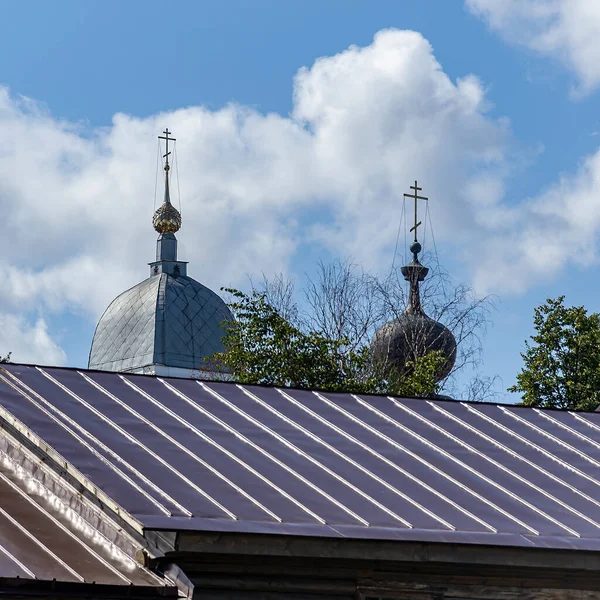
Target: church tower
x: 413, y: 334
x: 169, y: 324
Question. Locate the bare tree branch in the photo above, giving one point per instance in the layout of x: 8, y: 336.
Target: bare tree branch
x: 343, y: 303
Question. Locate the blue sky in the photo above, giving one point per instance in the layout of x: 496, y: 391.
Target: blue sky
x: 78, y: 181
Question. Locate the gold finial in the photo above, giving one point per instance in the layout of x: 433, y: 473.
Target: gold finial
x: 167, y: 218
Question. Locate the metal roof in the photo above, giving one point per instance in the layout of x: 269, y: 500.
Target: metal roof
x: 179, y: 454
x: 165, y: 319
x: 49, y: 532
x: 37, y: 544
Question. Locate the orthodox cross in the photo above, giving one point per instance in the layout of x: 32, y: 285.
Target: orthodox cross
x: 416, y: 197
x: 167, y: 139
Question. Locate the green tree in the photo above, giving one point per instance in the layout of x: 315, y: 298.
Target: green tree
x: 345, y: 304
x: 5, y: 359
x: 263, y: 347
x: 562, y: 362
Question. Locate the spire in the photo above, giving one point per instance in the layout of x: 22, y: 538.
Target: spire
x: 415, y: 272
x: 167, y: 218
x: 167, y: 221
x: 167, y: 167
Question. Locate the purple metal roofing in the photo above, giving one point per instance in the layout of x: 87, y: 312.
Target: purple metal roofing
x: 37, y: 544
x: 44, y: 537
x: 181, y: 454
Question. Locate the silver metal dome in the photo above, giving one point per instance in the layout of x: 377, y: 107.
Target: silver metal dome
x: 164, y: 320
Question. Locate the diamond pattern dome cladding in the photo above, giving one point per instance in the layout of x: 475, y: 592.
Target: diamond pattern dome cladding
x: 165, y: 319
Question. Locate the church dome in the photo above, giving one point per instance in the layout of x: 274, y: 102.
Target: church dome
x: 413, y: 335
x: 167, y: 324
x: 164, y: 320
x: 166, y: 219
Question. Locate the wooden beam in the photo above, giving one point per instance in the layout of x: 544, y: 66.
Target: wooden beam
x: 234, y: 544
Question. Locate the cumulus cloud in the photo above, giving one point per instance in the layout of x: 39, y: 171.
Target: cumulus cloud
x: 540, y: 237
x: 257, y: 189
x: 28, y: 342
x: 565, y: 30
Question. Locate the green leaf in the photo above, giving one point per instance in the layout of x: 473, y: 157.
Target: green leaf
x: 261, y: 347
x: 561, y: 362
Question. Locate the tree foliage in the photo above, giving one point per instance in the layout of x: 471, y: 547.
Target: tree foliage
x: 264, y: 347
x: 562, y: 362
x: 6, y: 358
x: 344, y: 303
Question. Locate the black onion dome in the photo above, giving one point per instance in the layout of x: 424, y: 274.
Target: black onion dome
x: 409, y: 337
x: 413, y: 335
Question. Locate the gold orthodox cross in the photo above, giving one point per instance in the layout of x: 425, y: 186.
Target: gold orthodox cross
x: 167, y: 139
x: 416, y: 197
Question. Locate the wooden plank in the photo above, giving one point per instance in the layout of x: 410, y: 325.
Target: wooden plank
x: 218, y: 565
x: 292, y: 577
x: 414, y: 552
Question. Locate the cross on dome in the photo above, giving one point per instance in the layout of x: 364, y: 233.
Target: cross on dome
x: 416, y: 197
x: 167, y: 139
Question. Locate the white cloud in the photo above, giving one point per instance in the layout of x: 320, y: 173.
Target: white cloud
x: 381, y: 117
x: 540, y: 237
x: 28, y: 342
x: 259, y: 189
x: 77, y: 203
x: 565, y: 30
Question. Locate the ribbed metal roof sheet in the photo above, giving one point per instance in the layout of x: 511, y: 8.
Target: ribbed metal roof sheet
x: 45, y: 536
x: 180, y: 454
x: 37, y: 544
